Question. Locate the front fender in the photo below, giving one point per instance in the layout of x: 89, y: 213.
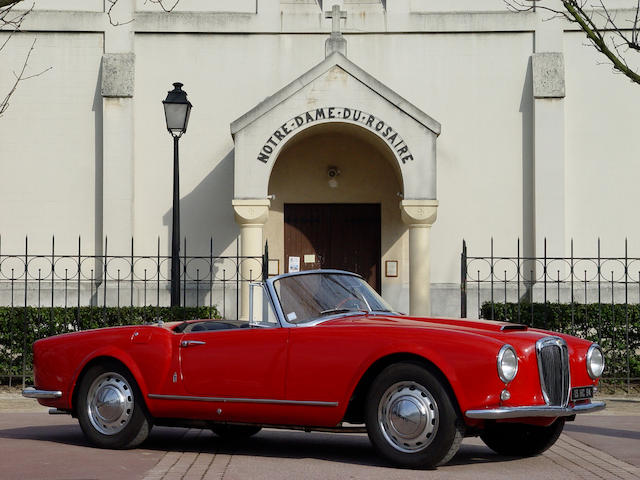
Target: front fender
x: 466, y: 360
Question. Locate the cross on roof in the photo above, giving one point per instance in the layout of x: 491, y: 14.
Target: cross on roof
x: 335, y: 15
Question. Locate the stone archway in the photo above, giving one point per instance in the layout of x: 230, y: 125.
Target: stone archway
x: 366, y: 185
x: 337, y: 95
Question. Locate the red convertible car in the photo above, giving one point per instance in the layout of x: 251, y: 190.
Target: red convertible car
x: 322, y: 351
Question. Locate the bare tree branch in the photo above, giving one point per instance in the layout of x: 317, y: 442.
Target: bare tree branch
x: 11, y: 21
x: 161, y: 3
x: 19, y: 77
x: 4, y: 3
x: 600, y: 26
x: 113, y: 22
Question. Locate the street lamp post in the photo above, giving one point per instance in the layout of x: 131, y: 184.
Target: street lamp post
x: 176, y: 111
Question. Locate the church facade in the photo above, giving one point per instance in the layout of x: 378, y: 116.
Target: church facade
x: 366, y: 135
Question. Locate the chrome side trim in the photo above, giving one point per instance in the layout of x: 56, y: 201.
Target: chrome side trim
x: 31, y: 392
x: 534, y: 411
x: 310, y: 403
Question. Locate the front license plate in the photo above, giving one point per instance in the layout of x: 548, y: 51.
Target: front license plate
x: 581, y: 393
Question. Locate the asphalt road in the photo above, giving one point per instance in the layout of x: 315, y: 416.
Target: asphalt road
x: 35, y: 445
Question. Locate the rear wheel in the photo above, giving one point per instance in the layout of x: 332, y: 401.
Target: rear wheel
x: 518, y: 439
x: 410, y: 418
x: 110, y: 408
x: 235, y: 432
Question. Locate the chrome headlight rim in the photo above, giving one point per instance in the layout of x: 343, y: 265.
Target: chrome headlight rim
x: 506, y: 348
x: 590, y: 371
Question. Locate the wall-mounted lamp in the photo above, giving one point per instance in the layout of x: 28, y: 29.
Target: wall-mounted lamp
x: 333, y: 173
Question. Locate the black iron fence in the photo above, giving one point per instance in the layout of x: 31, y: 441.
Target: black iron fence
x: 597, y: 298
x: 45, y: 294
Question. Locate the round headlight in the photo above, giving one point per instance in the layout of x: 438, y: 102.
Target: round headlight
x: 595, y: 361
x: 507, y: 363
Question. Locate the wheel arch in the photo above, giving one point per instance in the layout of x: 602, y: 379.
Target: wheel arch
x: 104, y: 359
x: 355, y: 409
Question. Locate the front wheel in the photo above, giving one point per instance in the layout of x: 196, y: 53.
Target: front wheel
x: 410, y: 417
x: 521, y: 440
x: 110, y: 408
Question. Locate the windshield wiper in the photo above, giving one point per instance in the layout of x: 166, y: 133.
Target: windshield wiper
x: 332, y: 311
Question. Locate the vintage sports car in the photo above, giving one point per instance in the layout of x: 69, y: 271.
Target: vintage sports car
x: 323, y: 351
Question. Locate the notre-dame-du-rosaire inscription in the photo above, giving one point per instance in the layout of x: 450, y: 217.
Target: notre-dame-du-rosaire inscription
x: 351, y: 115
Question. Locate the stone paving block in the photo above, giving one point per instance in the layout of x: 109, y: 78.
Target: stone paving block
x: 199, y: 467
x: 44, y: 447
x: 219, y: 467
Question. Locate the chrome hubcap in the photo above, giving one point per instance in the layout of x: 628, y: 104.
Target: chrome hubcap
x: 408, y: 417
x: 110, y: 403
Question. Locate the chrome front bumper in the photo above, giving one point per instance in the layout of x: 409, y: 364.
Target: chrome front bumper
x: 31, y: 392
x: 534, y: 411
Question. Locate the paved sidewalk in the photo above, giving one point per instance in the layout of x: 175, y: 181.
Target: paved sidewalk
x: 41, y: 446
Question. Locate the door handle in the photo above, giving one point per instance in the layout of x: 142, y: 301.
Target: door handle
x: 190, y: 343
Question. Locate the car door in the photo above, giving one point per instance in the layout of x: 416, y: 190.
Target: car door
x: 239, y: 363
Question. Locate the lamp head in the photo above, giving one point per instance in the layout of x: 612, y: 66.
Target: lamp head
x: 177, y: 110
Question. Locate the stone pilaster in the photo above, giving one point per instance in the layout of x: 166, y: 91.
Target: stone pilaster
x: 251, y: 215
x: 419, y: 215
x: 547, y: 66
x: 117, y: 89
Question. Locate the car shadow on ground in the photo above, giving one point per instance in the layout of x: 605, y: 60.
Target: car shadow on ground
x: 65, y: 434
x: 609, y: 432
x: 344, y: 448
x: 341, y: 448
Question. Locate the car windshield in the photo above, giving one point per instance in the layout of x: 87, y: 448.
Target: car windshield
x: 307, y: 297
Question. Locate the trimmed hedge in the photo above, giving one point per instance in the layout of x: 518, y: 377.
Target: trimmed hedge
x: 605, y: 324
x: 20, y: 326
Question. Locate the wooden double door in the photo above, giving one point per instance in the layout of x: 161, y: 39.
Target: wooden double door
x: 344, y: 236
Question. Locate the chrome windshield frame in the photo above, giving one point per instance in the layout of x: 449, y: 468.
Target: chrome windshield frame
x: 270, y: 285
x: 271, y: 298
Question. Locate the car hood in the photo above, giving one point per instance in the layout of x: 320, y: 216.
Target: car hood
x: 485, y: 328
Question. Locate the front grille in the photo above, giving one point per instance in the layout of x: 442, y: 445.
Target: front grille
x: 553, y: 365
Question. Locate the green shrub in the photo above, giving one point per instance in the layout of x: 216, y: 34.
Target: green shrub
x: 20, y: 326
x: 616, y: 328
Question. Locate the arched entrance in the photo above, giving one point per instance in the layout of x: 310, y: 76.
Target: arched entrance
x: 337, y: 115
x: 335, y: 191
